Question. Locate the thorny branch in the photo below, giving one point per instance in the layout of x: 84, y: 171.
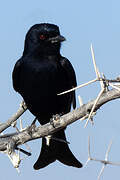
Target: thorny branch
x: 9, y: 142
x: 13, y: 119
x: 104, y: 162
x: 32, y: 132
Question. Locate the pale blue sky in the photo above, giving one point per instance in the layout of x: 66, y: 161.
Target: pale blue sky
x: 81, y: 22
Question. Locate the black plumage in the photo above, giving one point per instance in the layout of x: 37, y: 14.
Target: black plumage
x: 39, y: 75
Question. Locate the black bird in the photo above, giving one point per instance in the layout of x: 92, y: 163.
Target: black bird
x: 39, y: 75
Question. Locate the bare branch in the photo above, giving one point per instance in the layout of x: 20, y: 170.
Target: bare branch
x: 33, y: 132
x: 9, y: 142
x: 12, y: 119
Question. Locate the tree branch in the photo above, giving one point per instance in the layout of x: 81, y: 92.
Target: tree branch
x: 12, y: 119
x: 32, y: 132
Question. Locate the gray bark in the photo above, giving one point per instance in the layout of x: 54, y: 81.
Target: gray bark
x: 10, y: 141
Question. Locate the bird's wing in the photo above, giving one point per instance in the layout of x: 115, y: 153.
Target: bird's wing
x: 71, y: 77
x: 16, y: 75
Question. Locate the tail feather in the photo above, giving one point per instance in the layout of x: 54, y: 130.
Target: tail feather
x: 46, y: 156
x: 56, y: 151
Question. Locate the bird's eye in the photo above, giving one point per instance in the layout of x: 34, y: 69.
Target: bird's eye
x: 42, y: 37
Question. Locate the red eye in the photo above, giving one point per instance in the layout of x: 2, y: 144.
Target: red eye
x: 42, y: 37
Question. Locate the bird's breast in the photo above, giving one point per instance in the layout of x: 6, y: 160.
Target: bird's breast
x: 40, y: 80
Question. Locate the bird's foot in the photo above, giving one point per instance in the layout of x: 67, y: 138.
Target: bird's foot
x: 54, y: 118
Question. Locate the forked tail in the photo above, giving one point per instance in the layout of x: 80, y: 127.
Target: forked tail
x: 56, y: 150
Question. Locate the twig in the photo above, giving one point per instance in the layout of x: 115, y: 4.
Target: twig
x: 12, y: 119
x: 31, y: 133
x: 104, y: 162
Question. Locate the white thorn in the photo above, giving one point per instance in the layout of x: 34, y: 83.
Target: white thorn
x: 86, y: 163
x: 117, y: 84
x: 108, y: 150
x: 82, y: 85
x: 21, y: 125
x: 94, y: 105
x: 21, y: 129
x: 89, y: 155
x: 84, y: 117
x: 80, y: 100
x: 14, y: 124
x: 18, y: 170
x: 99, y: 76
x: 94, y: 62
x: 15, y: 160
x: 101, y: 171
x: 101, y: 81
x: 115, y: 87
x: 89, y: 119
x: 48, y: 138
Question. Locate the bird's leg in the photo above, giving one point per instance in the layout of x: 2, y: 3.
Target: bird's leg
x: 54, y: 118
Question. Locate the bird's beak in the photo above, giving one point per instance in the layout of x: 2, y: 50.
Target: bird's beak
x: 56, y: 39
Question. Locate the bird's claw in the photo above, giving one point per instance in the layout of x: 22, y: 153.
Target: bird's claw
x: 54, y: 118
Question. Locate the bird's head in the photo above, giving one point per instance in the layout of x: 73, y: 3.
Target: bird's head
x: 44, y: 35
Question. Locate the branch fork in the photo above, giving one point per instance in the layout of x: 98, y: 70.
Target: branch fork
x: 104, y: 83
x: 9, y: 142
x: 104, y: 162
